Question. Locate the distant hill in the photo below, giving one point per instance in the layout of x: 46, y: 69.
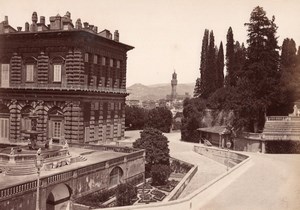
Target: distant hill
x: 158, y: 91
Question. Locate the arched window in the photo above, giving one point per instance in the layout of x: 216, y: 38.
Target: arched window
x: 115, y: 176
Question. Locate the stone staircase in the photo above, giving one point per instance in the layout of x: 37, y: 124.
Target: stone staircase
x: 19, y: 169
x: 285, y: 129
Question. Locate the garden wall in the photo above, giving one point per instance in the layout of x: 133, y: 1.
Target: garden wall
x: 228, y: 158
x: 192, y: 201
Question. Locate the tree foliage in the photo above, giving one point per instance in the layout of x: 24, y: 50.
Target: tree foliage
x: 220, y: 68
x: 125, y: 194
x: 136, y: 117
x: 200, y: 86
x: 288, y: 79
x: 160, y: 174
x: 156, y: 146
x: 258, y: 83
x: 193, y: 112
x: 160, y: 118
x: 231, y: 75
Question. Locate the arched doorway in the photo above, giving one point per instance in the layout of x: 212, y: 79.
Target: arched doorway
x: 115, y: 177
x: 56, y: 124
x: 4, y: 123
x: 59, y: 198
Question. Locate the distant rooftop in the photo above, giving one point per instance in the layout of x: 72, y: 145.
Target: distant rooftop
x: 56, y: 23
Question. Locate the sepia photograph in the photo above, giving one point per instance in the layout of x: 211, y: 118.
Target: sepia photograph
x: 150, y: 105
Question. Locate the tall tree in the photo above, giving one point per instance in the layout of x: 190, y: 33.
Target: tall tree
x: 239, y: 58
x: 197, y: 87
x: 200, y: 87
x: 210, y: 73
x: 220, y: 68
x: 260, y: 77
x: 230, y: 77
x: 288, y: 79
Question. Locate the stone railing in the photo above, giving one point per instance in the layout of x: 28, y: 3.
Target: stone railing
x: 8, y: 192
x: 252, y: 135
x: 18, y: 189
x: 105, y: 147
x: 283, y: 118
x: 67, y: 87
x: 280, y: 136
x: 225, y: 157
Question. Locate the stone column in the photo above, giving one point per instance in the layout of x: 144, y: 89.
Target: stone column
x: 77, y: 131
x: 15, y: 121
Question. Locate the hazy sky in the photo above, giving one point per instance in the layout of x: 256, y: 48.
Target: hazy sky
x: 166, y: 34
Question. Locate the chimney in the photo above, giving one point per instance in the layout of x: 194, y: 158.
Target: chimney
x: 68, y: 14
x: 34, y: 17
x: 116, y: 35
x: 6, y: 20
x: 26, y: 27
x: 42, y: 20
x: 86, y: 25
x: 95, y: 29
x: 91, y: 27
x: 78, y: 24
x: 19, y: 28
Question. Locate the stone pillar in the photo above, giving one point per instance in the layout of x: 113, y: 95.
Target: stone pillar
x: 42, y: 68
x: 15, y: 121
x: 78, y: 68
x: 123, y: 70
x: 41, y: 121
x: 123, y: 119
x: 77, y: 130
x: 16, y: 69
x: 68, y: 121
x: 92, y: 124
x: 69, y: 68
x: 263, y: 147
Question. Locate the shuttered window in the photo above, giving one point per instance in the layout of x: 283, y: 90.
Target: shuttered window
x: 29, y: 72
x: 56, y: 73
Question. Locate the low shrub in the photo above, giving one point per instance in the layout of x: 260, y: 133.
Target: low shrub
x: 97, y: 198
x: 125, y: 194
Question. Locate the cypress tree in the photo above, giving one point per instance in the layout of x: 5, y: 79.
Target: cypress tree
x: 197, y: 87
x: 209, y: 77
x: 230, y: 77
x: 239, y: 58
x: 203, y: 65
x: 220, y: 67
x: 288, y: 62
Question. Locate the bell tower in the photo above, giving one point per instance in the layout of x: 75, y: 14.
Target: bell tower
x: 174, y: 84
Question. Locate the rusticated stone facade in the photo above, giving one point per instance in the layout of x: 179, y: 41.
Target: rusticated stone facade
x: 73, y: 78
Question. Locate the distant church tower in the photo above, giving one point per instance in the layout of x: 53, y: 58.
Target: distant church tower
x: 174, y: 84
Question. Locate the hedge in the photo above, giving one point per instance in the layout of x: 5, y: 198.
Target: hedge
x: 282, y: 147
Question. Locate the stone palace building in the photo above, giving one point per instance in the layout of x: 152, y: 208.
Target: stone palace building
x: 71, y: 76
